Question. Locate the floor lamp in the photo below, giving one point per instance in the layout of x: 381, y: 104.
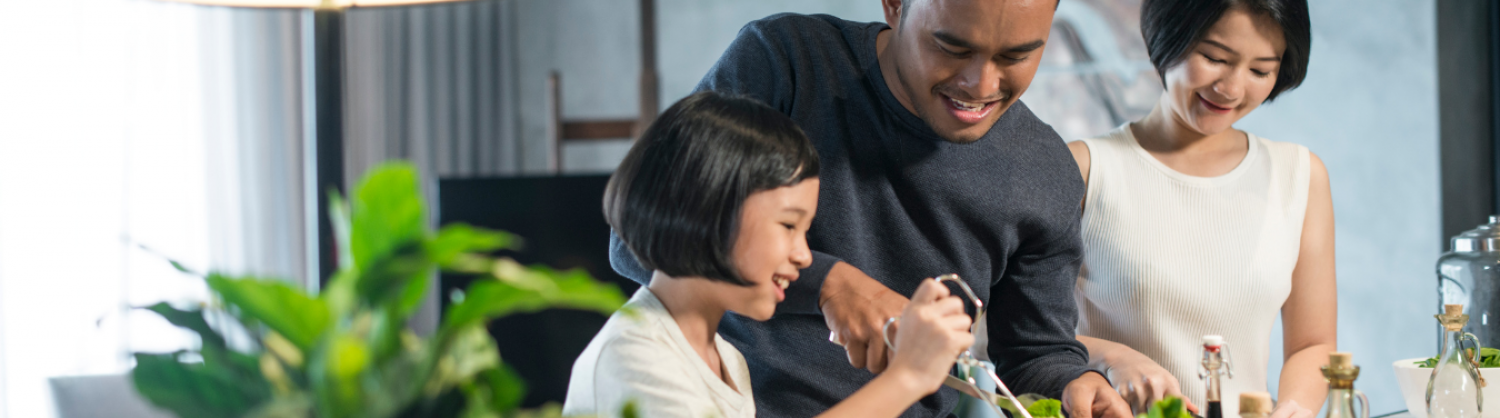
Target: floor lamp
x: 323, y: 114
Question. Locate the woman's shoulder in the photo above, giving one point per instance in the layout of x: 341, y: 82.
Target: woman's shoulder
x: 1302, y: 165
x: 1104, y: 145
x: 1115, y: 138
x: 1279, y: 148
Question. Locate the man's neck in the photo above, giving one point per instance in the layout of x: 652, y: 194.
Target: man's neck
x: 885, y: 54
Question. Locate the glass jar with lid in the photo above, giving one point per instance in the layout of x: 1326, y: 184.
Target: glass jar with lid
x: 1469, y: 275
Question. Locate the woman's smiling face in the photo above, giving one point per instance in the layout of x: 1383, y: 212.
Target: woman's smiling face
x: 771, y: 247
x: 1227, y: 74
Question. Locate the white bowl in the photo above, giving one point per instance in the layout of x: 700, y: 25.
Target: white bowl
x: 1413, y: 382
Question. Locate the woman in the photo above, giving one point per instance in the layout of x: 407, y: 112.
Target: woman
x: 1192, y: 227
x: 716, y: 198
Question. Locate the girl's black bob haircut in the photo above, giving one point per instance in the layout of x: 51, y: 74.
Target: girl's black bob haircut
x: 1172, y: 28
x: 676, y: 198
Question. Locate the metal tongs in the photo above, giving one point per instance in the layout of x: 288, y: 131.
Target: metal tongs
x: 967, y: 384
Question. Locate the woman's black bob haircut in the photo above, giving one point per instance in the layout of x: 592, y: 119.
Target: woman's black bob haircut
x: 1172, y: 28
x: 676, y: 198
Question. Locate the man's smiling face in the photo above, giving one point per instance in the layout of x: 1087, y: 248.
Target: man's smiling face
x: 960, y: 64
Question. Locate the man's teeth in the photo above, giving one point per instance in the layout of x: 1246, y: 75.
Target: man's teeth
x: 966, y: 106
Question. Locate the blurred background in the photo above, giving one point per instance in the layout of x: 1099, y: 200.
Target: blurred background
x: 131, y: 130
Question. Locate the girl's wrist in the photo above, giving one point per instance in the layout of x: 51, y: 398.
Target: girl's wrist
x: 904, y: 379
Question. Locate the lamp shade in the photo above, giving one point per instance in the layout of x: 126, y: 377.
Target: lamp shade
x: 321, y: 4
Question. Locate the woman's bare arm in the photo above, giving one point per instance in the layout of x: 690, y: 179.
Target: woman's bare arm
x: 1310, y: 316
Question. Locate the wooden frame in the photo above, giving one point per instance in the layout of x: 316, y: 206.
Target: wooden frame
x: 561, y: 131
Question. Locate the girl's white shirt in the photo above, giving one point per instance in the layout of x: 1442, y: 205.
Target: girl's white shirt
x: 642, y: 356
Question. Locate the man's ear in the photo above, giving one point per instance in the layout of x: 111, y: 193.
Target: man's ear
x: 892, y: 9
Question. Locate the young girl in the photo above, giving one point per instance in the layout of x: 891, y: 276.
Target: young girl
x: 1192, y: 227
x: 716, y: 198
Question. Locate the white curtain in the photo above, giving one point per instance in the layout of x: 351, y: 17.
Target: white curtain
x: 433, y: 85
x: 126, y: 123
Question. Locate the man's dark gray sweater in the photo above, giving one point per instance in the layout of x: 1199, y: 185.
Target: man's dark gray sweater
x: 901, y: 204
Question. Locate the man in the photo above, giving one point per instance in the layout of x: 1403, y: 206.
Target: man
x: 930, y: 165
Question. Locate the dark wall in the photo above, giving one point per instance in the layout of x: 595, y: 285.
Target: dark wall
x: 1466, y: 113
x: 563, y: 227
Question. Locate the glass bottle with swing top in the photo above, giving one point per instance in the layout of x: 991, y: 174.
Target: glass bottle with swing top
x: 1216, y: 363
x: 1455, y: 388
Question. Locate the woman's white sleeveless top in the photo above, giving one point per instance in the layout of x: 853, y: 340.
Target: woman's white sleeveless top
x: 1169, y: 257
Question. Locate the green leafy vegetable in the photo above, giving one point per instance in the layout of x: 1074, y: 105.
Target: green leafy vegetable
x: 1045, y: 408
x: 1488, y: 357
x: 1170, y: 407
x: 1041, y: 407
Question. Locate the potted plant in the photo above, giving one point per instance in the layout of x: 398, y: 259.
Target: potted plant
x: 347, y: 352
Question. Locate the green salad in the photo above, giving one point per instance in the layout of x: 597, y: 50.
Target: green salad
x: 1039, y: 407
x: 1171, y: 407
x: 1488, y: 357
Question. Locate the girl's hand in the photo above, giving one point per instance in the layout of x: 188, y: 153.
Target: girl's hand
x: 1290, y: 409
x: 1141, y: 381
x: 934, y: 330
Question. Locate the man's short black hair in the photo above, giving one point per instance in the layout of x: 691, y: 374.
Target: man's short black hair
x: 907, y: 4
x: 1172, y: 28
x: 676, y: 198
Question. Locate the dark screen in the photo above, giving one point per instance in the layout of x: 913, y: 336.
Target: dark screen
x: 563, y: 227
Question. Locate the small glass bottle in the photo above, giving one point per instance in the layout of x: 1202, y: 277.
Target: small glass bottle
x: 1340, y: 373
x: 1454, y: 391
x: 1216, y: 362
x: 1255, y: 405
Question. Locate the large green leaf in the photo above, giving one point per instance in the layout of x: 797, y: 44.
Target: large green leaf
x: 470, y: 352
x: 387, y: 214
x: 335, y: 372
x: 196, y: 390
x: 281, y: 307
x: 522, y: 290
x: 284, y: 407
x: 190, y: 319
x: 506, y: 388
x: 338, y: 217
x: 393, y: 280
x: 458, y: 238
x: 412, y: 294
x: 340, y: 295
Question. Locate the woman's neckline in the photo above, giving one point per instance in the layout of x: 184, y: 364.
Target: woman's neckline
x: 1128, y: 131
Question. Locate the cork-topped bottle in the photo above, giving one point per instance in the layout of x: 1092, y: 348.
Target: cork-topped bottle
x: 1340, y: 373
x: 1255, y: 405
x: 1454, y: 390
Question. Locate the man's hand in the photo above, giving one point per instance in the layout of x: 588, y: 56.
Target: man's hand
x: 1090, y: 396
x: 855, y: 306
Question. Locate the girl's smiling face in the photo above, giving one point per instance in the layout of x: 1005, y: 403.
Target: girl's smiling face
x: 1227, y: 74
x: 771, y: 247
